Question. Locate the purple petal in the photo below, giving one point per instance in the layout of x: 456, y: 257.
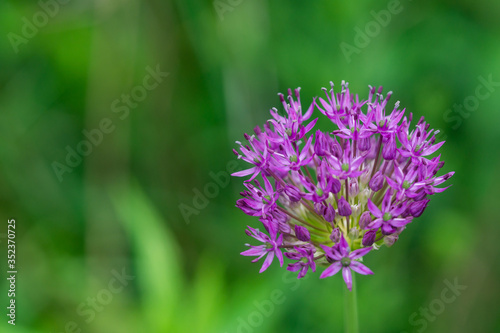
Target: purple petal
x: 343, y: 244
x: 325, y: 248
x: 375, y: 224
x: 269, y: 187
x: 387, y: 200
x: 254, y: 251
x: 432, y: 149
x: 279, y: 254
x: 267, y: 262
x: 374, y: 209
x: 243, y: 173
x: 392, y: 183
x: 360, y: 268
x: 311, y: 125
x: 331, y: 270
x: 359, y: 253
x: 399, y: 222
x: 294, y: 267
x: 387, y: 229
x: 305, y: 150
x: 302, y: 272
x: 346, y: 273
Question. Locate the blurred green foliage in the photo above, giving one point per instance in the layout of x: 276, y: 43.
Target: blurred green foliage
x: 118, y: 208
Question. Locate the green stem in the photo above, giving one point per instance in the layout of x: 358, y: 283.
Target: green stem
x: 351, y: 308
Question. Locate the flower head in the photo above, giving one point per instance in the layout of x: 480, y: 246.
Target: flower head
x: 328, y: 198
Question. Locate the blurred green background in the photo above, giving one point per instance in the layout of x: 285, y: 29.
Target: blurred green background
x: 67, y: 73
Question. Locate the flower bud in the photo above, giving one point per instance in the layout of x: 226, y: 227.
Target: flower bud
x: 293, y: 193
x: 364, y: 194
x: 335, y: 236
x: 284, y: 227
x: 364, y: 144
x: 335, y: 185
x: 344, y: 207
x: 417, y: 208
x: 320, y: 144
x: 390, y: 240
x: 354, y: 233
x: 302, y: 233
x: 336, y: 149
x: 389, y: 150
x: 293, y: 255
x: 319, y: 207
x: 353, y: 187
x: 420, y: 196
x: 376, y: 182
x: 369, y: 238
x: 356, y: 210
x: 329, y: 213
x: 364, y: 220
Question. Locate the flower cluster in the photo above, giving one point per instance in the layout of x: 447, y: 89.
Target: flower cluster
x: 329, y: 198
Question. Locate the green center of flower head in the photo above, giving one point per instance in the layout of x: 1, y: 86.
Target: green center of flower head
x: 293, y: 158
x: 345, y: 167
x: 319, y: 191
x: 381, y: 123
x: 417, y: 148
x: 406, y: 184
x: 288, y: 131
x: 256, y: 160
x: 387, y: 216
x: 345, y: 261
x: 267, y: 197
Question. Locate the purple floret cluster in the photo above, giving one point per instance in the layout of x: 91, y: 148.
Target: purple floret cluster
x: 329, y: 197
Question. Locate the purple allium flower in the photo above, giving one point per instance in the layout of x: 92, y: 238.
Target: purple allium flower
x: 341, y: 257
x: 305, y: 257
x: 258, y: 201
x: 387, y: 218
x: 271, y: 248
x: 328, y: 197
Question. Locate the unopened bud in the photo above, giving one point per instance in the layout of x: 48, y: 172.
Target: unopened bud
x: 329, y: 213
x: 417, y: 208
x: 369, y: 238
x: 319, y: 207
x: 344, y: 207
x: 376, y: 182
x: 302, y: 233
x: 353, y: 187
x: 364, y: 144
x: 293, y: 193
x: 335, y: 236
x: 336, y: 185
x: 364, y: 220
x: 390, y: 240
x: 354, y: 233
x: 389, y: 150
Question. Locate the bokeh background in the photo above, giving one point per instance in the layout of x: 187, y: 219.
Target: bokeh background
x: 118, y: 209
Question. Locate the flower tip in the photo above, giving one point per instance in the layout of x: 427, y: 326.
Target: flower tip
x: 297, y: 92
